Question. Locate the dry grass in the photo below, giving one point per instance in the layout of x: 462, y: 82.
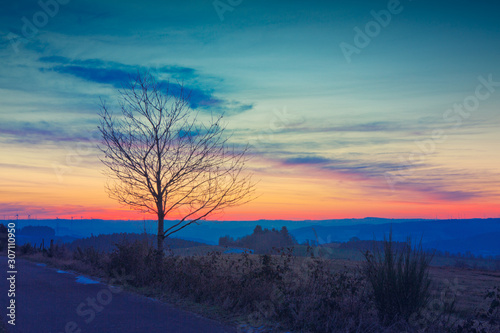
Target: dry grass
x: 279, y: 292
x: 198, y: 250
x: 470, y: 285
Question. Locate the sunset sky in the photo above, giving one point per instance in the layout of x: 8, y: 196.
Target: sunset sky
x: 353, y: 108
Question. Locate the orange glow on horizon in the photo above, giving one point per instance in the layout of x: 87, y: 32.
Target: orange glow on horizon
x: 288, y: 193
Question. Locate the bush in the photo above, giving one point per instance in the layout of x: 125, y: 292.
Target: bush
x: 58, y: 251
x: 308, y: 295
x: 487, y: 318
x: 323, y: 299
x: 305, y: 295
x: 399, y: 279
x: 461, y: 264
x: 89, y: 256
x: 27, y: 249
x: 137, y: 259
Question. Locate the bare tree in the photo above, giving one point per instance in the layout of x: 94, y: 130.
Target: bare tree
x: 163, y: 160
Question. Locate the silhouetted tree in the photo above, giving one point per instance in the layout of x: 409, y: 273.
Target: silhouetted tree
x: 226, y: 241
x: 163, y: 160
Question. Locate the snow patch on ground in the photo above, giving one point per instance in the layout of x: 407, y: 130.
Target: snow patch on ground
x: 85, y: 280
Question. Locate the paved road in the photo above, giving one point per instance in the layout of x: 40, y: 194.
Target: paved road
x: 48, y: 301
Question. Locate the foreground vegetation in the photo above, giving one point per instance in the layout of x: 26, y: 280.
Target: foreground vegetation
x: 393, y: 290
x: 283, y: 292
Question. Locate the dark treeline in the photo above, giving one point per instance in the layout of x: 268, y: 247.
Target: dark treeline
x: 38, y: 231
x: 261, y: 240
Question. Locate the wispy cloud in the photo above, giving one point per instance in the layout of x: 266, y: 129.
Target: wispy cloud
x: 24, y: 167
x: 435, y: 184
x: 307, y: 160
x: 12, y: 208
x: 119, y: 75
x: 42, y: 132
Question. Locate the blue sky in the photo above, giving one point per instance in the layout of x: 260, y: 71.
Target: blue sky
x: 333, y: 126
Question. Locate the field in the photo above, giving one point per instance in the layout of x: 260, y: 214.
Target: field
x: 469, y: 285
x: 307, y: 293
x: 332, y: 251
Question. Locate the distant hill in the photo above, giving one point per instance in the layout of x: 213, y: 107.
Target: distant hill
x: 444, y: 235
x: 484, y: 244
x: 370, y: 245
x: 38, y: 235
x: 339, y: 230
x: 106, y: 243
x: 38, y: 231
x: 208, y: 231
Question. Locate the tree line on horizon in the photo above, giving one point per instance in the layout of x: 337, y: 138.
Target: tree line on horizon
x: 261, y: 240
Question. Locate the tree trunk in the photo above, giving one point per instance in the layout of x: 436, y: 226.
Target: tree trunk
x: 160, y: 236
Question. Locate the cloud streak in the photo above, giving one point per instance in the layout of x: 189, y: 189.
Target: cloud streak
x: 437, y: 186
x: 42, y: 132
x: 119, y: 75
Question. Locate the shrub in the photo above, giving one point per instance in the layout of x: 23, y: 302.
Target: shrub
x: 461, y: 264
x: 323, y: 299
x: 399, y: 279
x: 89, y: 256
x: 264, y: 288
x: 137, y: 259
x: 58, y: 251
x: 27, y: 249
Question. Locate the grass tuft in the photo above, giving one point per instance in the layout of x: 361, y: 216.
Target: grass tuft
x: 400, y: 280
